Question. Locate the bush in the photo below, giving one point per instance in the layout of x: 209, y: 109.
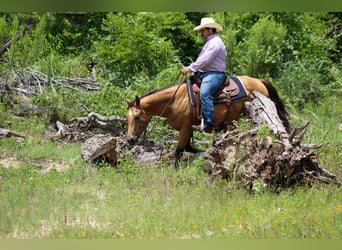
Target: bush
x: 302, y: 81
x: 264, y: 47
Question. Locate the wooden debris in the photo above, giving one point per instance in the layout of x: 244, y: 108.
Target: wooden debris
x: 250, y: 159
x: 99, y: 147
x: 80, y: 128
x: 70, y: 133
x: 95, y: 120
x: 8, y: 133
x: 30, y: 82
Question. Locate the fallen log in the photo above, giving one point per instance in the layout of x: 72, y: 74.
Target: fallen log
x: 263, y: 111
x: 277, y: 160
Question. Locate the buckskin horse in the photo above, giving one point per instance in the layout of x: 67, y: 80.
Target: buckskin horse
x: 174, y: 104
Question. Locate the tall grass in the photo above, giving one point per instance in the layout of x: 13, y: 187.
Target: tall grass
x: 324, y: 129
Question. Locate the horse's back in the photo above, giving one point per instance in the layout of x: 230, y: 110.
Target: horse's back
x: 254, y: 84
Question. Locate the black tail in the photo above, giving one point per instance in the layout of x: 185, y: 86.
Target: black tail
x: 282, y: 113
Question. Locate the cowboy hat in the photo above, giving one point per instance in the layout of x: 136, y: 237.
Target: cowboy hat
x: 208, y: 22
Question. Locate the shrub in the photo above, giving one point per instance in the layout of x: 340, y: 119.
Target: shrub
x: 129, y: 49
x: 302, y: 81
x: 264, y: 47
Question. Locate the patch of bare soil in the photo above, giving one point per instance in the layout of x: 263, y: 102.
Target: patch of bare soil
x: 44, y: 165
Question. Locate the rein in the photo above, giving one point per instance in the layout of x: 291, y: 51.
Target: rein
x: 167, y: 104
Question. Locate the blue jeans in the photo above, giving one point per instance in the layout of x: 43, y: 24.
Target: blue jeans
x: 211, y: 81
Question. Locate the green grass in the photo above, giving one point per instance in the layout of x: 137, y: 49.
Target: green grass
x: 84, y: 202
x: 325, y: 129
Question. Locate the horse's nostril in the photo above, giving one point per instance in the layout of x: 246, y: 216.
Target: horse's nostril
x: 131, y: 140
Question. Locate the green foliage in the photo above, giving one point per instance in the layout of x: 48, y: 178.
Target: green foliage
x: 30, y: 45
x: 74, y: 33
x: 325, y: 128
x: 60, y: 104
x: 264, y: 131
x: 302, y: 81
x: 130, y: 49
x: 264, y: 47
x: 177, y: 29
x: 306, y: 69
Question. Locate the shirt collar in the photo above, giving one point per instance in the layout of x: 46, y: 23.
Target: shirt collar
x: 211, y: 36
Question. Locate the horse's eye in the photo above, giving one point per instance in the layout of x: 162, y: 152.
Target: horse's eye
x: 137, y: 117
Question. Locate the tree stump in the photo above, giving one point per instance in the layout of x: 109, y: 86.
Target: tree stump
x: 100, y: 147
x: 252, y: 159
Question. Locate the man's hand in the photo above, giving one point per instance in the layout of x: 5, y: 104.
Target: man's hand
x: 185, y: 70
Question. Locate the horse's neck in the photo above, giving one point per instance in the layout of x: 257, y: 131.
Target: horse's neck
x: 160, y: 102
x: 154, y: 104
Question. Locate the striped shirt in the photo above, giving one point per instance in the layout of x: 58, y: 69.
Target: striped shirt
x: 212, y: 57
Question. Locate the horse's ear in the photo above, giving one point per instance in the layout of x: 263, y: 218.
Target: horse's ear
x: 128, y: 102
x: 137, y: 100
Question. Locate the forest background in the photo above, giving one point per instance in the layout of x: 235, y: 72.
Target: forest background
x: 130, y: 54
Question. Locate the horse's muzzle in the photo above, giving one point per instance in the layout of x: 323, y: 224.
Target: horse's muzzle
x: 132, y: 139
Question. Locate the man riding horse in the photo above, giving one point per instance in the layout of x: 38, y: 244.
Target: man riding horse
x: 210, y: 67
x: 173, y: 102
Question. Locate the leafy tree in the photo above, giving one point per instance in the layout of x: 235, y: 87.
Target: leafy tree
x: 129, y: 48
x: 307, y: 57
x: 73, y: 33
x: 29, y: 34
x: 176, y: 28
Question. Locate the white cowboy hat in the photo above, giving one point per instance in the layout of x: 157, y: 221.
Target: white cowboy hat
x: 208, y: 22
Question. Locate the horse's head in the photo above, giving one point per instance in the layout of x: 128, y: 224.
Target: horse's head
x: 136, y: 119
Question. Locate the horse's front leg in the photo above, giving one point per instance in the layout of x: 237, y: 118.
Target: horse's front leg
x: 183, y: 144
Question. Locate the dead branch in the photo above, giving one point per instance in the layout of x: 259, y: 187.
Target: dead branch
x: 113, y: 124
x: 6, y: 46
x: 8, y: 133
x: 31, y: 82
x: 9, y: 42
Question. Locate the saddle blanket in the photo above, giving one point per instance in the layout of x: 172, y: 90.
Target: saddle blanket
x: 232, y: 84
